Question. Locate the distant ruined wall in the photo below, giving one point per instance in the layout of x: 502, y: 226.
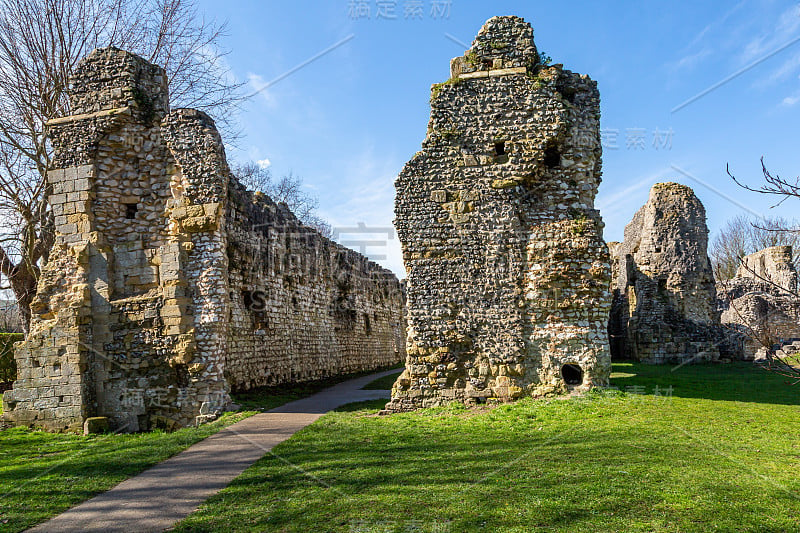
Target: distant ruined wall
x: 168, y: 284
x: 302, y: 306
x: 771, y: 265
x: 508, y: 275
x: 664, y: 291
x: 761, y: 301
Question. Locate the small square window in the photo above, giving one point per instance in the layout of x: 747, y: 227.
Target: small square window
x: 131, y: 210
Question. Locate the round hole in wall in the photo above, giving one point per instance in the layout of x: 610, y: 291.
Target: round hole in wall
x: 572, y: 374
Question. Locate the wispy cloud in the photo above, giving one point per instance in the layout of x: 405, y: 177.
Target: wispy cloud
x: 787, y: 27
x: 709, y: 28
x: 690, y: 60
x: 782, y: 73
x: 370, y: 190
x: 259, y: 85
x: 691, y: 55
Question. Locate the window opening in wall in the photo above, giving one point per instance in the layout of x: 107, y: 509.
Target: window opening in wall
x: 500, y: 148
x: 552, y: 157
x: 367, y: 324
x: 572, y: 374
x: 131, y: 210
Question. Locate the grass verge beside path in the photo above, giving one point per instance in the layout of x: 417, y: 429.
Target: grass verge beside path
x: 384, y: 383
x: 266, y: 398
x: 697, y: 448
x: 43, y: 474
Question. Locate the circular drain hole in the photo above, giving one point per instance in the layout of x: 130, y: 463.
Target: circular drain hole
x: 572, y: 374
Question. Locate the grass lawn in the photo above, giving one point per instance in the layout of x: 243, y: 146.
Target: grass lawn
x: 384, y: 383
x: 716, y: 449
x: 43, y: 474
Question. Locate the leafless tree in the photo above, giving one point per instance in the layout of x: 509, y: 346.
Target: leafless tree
x: 41, y: 42
x: 742, y: 236
x: 287, y: 189
x: 774, y: 233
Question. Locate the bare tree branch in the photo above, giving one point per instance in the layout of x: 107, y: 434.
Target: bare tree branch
x: 41, y: 43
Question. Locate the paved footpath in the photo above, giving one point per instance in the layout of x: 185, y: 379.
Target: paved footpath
x: 159, y: 497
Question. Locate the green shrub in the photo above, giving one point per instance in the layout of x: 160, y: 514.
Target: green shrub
x: 8, y: 368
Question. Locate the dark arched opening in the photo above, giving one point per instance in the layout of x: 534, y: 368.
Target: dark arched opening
x: 572, y: 374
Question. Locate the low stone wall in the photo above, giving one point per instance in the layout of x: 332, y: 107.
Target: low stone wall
x: 760, y: 305
x: 302, y: 306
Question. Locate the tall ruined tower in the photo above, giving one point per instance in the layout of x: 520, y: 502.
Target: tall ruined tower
x: 508, y: 274
x: 665, y: 298
x: 111, y: 332
x: 169, y: 284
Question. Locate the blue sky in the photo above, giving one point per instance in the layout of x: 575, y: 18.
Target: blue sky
x: 347, y: 122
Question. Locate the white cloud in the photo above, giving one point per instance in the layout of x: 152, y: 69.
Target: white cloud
x: 259, y: 86
x: 369, y: 182
x: 789, y: 67
x: 691, y: 60
x: 789, y: 101
x: 264, y: 163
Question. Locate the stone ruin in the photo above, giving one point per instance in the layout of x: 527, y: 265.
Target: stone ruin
x: 170, y: 285
x: 665, y: 301
x: 508, y: 274
x: 761, y: 302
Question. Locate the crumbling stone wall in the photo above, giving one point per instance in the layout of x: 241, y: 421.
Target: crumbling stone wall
x: 306, y: 305
x: 664, y: 306
x: 141, y: 313
x: 760, y: 305
x: 508, y: 275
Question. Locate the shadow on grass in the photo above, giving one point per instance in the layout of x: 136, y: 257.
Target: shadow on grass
x: 736, y: 382
x: 266, y: 398
x: 378, y: 472
x: 361, y: 406
x: 384, y: 383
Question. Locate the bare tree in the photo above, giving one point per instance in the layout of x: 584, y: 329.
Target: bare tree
x: 781, y: 360
x: 287, y: 189
x: 742, y: 236
x: 41, y: 42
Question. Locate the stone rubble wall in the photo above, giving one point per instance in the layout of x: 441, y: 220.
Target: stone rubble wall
x: 665, y: 306
x: 760, y: 305
x: 302, y: 306
x: 773, y: 265
x: 139, y: 315
x: 508, y: 275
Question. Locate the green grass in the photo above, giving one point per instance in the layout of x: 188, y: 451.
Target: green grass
x: 266, y: 398
x: 717, y: 449
x: 43, y: 474
x: 384, y: 383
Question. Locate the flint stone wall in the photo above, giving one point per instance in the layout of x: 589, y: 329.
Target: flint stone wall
x: 761, y: 303
x: 665, y: 307
x: 508, y: 275
x: 169, y: 285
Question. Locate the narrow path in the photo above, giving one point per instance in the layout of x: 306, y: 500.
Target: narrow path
x: 170, y: 491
